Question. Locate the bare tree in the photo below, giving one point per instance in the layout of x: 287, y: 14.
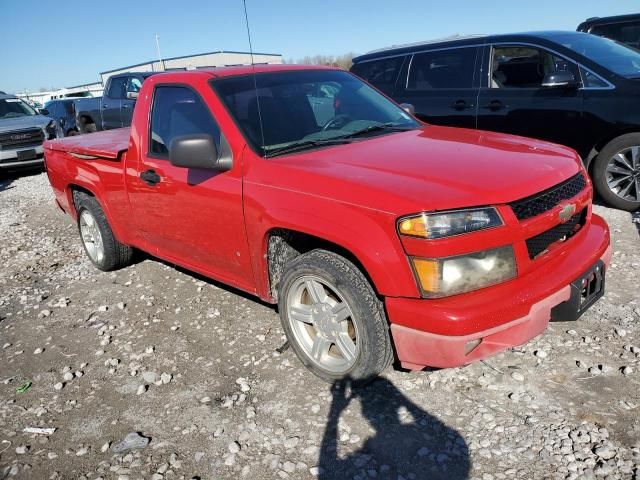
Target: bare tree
x: 342, y: 61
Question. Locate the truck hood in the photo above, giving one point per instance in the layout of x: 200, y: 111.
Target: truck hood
x: 435, y: 168
x: 22, y: 123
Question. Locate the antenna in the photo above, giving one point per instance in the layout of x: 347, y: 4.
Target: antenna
x: 253, y: 69
x: 158, y: 47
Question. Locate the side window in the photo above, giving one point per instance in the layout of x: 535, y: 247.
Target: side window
x: 382, y: 74
x: 178, y: 111
x: 134, y: 84
x: 591, y: 80
x: 451, y: 68
x: 51, y: 107
x: 525, y: 67
x: 68, y: 107
x: 117, y: 88
x: 628, y: 32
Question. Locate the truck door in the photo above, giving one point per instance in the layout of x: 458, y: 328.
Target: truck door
x: 193, y: 217
x: 111, y: 102
x: 513, y: 99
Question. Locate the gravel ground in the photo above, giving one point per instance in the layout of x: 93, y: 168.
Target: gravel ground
x: 151, y: 372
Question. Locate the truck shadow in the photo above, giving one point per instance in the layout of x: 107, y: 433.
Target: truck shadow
x: 635, y: 218
x: 407, y: 441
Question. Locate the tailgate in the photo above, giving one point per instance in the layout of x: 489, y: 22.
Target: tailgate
x: 107, y: 144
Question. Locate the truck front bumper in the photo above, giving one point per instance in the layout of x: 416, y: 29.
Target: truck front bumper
x: 9, y: 158
x: 461, y: 329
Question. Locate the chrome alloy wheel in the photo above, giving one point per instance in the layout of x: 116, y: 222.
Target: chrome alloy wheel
x: 322, y: 323
x: 91, y: 237
x: 623, y: 174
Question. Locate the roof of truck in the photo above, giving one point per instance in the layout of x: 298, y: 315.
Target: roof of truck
x: 259, y: 68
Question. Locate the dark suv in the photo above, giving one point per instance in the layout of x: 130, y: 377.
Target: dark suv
x: 623, y: 28
x: 570, y: 88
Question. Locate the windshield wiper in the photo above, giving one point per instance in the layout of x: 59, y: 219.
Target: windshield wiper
x: 375, y: 128
x: 295, y: 147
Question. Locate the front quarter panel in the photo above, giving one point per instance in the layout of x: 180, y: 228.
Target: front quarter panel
x: 368, y: 234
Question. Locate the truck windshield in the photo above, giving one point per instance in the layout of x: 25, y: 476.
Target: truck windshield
x: 614, y: 56
x: 292, y: 110
x: 14, y: 107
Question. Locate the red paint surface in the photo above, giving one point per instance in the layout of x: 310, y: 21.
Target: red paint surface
x: 352, y: 195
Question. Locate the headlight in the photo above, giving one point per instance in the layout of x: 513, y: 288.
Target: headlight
x: 52, y: 130
x: 446, y: 224
x: 442, y: 277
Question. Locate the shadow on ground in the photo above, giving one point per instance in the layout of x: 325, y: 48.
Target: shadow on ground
x: 407, y: 441
x: 635, y: 218
x: 8, y: 177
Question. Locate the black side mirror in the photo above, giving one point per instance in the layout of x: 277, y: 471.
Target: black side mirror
x: 199, y: 151
x: 409, y: 108
x: 560, y: 78
x: 44, y: 111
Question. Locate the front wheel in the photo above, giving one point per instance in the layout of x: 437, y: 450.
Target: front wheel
x: 333, y: 319
x: 616, y: 173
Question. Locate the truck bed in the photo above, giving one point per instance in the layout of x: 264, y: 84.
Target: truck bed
x: 108, y: 144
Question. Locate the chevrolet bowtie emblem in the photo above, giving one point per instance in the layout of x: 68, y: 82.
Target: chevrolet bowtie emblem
x: 567, y: 212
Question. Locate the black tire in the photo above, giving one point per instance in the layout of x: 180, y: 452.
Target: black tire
x: 600, y: 171
x: 72, y: 133
x: 116, y: 255
x: 90, y: 128
x: 374, y: 350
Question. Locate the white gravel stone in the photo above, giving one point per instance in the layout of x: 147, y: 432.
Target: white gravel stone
x: 58, y: 386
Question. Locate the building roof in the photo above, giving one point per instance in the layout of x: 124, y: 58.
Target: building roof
x: 187, y: 56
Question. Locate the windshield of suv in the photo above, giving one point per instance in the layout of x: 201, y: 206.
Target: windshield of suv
x: 14, y: 107
x: 614, y: 56
x: 307, y: 109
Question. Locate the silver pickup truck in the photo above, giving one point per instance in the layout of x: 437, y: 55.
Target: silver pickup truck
x: 22, y: 132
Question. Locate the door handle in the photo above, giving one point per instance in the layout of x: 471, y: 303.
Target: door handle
x: 461, y: 105
x: 495, y: 105
x: 105, y: 106
x: 126, y: 105
x: 150, y: 177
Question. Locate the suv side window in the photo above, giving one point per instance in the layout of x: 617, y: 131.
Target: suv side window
x: 117, y: 88
x: 627, y: 32
x: 178, y: 111
x: 382, y: 73
x: 450, y: 68
x: 517, y: 66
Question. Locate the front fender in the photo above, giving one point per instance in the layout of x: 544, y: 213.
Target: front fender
x: 366, y: 233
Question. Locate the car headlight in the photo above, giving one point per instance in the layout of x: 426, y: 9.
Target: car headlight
x: 52, y: 130
x: 442, y: 277
x: 445, y: 224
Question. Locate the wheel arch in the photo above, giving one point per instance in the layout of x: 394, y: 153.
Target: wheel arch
x: 602, y: 142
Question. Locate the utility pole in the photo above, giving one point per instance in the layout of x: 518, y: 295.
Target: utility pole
x: 158, y: 47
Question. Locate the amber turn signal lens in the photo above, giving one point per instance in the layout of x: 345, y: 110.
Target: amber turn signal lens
x: 414, y: 226
x: 428, y: 273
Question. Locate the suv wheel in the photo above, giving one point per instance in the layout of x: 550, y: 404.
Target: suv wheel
x: 333, y: 319
x: 616, y: 173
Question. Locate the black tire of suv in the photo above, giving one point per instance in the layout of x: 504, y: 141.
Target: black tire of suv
x: 600, y: 171
x: 116, y: 255
x: 375, y: 352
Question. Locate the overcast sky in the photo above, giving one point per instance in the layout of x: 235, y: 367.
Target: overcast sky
x: 57, y: 43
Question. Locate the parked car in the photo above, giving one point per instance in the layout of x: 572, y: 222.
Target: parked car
x: 352, y: 223
x: 570, y: 88
x: 115, y: 108
x: 22, y: 132
x: 622, y: 28
x: 64, y: 113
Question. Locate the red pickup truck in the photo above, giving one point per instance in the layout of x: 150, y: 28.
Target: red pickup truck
x: 378, y: 236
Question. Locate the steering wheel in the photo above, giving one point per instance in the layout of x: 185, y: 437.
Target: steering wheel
x: 338, y: 121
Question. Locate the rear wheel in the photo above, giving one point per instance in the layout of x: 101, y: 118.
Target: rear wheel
x: 333, y: 319
x: 72, y: 133
x: 616, y: 173
x: 104, y: 251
